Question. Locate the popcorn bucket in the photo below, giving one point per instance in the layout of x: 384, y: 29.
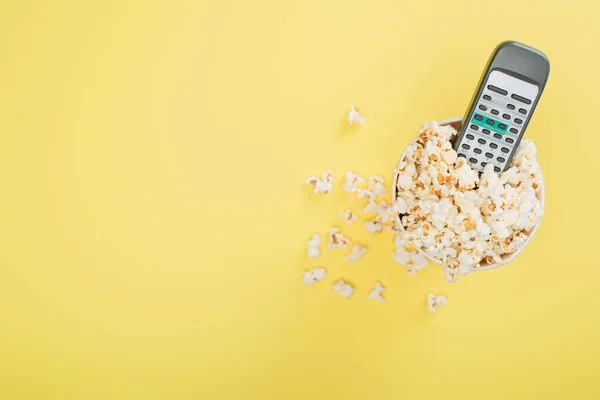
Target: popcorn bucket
x: 484, y: 265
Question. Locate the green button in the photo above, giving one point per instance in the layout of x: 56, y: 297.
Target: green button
x: 495, y: 125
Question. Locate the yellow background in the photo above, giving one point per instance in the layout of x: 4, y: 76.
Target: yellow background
x: 153, y: 215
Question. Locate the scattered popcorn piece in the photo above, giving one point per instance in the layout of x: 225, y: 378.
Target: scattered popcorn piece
x: 401, y: 255
x: 335, y: 239
x: 313, y: 276
x: 376, y: 185
x: 417, y: 262
x: 348, y: 216
x: 312, y: 246
x: 380, y: 208
x: 433, y: 301
x: 351, y: 182
x: 354, y: 117
x: 374, y: 226
x: 375, y: 293
x: 395, y: 227
x: 357, y: 252
x: 366, y: 193
x: 343, y: 288
x: 322, y: 185
x: 412, y: 260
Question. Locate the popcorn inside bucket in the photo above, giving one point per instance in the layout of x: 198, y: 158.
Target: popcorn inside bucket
x: 456, y: 216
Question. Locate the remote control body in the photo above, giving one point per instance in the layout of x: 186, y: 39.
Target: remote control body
x: 502, y: 106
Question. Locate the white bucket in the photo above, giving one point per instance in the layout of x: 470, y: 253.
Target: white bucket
x: 456, y: 123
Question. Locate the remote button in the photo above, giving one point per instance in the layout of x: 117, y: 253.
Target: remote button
x: 518, y: 98
x: 523, y: 111
x: 462, y: 155
x: 482, y: 107
x: 478, y: 117
x: 474, y: 127
x: 496, y: 169
x: 481, y: 141
x: 489, y: 155
x: 500, y: 159
x: 509, y: 140
x: 500, y: 91
x: 486, y: 97
x: 490, y: 122
x: 486, y: 131
x: 470, y: 137
x: 483, y: 163
x: 497, y: 136
x: 466, y: 146
x: 495, y: 112
x: 513, y: 130
x: 477, y: 150
x: 510, y: 106
x: 473, y: 160
x: 501, y: 126
x: 493, y: 145
x: 505, y: 150
x: 518, y: 121
x: 506, y: 116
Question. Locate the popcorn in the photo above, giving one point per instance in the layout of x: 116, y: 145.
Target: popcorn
x: 411, y: 259
x: 450, y: 269
x: 450, y: 156
x: 357, y: 252
x: 467, y: 177
x: 343, y: 288
x: 351, y: 182
x: 374, y: 226
x: 467, y: 259
x: 312, y: 246
x: 441, y: 211
x: 526, y: 150
x: 500, y: 230
x: 491, y: 184
x: 482, y: 229
x: 417, y: 262
x: 375, y: 293
x: 395, y: 227
x: 433, y: 301
x: 348, y: 216
x: 322, y: 185
x: 354, y: 117
x: 400, y: 206
x: 313, y: 276
x: 453, y: 215
x: 512, y: 176
x: 386, y: 214
x: 380, y: 208
x: 402, y: 256
x: 376, y: 185
x: 335, y: 239
x: 405, y: 177
x: 367, y: 194
x: 516, y: 243
x: 509, y: 217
